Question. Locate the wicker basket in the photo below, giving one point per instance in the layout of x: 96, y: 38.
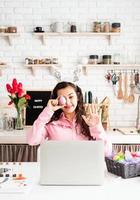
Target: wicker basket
x: 123, y: 170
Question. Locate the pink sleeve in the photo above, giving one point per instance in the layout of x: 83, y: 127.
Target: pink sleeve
x: 38, y: 132
x: 99, y: 133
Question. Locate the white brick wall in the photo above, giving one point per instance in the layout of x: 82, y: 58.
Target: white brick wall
x: 28, y: 14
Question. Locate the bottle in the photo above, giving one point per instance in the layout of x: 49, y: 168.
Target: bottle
x: 107, y: 59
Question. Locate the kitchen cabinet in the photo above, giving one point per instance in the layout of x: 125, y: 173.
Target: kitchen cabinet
x: 18, y: 153
x: 43, y: 36
x: 14, y: 147
x: 9, y: 37
x: 121, y: 142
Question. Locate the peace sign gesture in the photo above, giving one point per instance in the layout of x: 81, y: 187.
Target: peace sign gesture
x: 92, y: 117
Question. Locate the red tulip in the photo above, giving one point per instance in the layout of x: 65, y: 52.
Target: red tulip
x: 10, y: 102
x: 9, y: 89
x: 19, y: 85
x: 27, y: 97
x: 20, y: 92
x: 16, y: 93
x: 15, y: 85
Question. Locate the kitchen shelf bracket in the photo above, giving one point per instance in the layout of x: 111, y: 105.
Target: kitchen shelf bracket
x: 9, y: 37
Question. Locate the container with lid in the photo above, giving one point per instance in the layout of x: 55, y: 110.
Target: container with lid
x: 93, y: 59
x: 97, y: 27
x: 116, y: 27
x: 107, y: 59
x: 106, y: 27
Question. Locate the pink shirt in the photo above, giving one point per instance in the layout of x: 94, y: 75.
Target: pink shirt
x: 62, y: 129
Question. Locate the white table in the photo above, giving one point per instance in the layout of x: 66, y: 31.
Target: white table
x: 114, y: 188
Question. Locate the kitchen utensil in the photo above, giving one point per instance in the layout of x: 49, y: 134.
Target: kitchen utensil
x: 125, y: 97
x: 114, y: 79
x: 136, y: 78
x: 86, y: 98
x: 120, y: 92
x: 89, y: 97
x: 131, y: 97
x: 108, y: 76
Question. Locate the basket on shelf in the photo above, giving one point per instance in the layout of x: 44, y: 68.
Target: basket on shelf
x: 127, y: 170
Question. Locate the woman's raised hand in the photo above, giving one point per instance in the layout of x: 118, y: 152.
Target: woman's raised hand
x: 92, y: 117
x: 54, y: 104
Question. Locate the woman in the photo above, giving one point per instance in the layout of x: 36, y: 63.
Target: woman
x: 68, y: 121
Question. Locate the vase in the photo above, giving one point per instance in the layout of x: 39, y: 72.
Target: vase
x: 19, y: 123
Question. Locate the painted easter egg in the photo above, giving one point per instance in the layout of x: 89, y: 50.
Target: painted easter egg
x: 61, y: 100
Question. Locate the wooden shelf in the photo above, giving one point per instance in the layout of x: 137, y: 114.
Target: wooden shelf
x: 44, y: 35
x: 34, y: 66
x: 9, y: 36
x: 2, y: 67
x: 86, y: 67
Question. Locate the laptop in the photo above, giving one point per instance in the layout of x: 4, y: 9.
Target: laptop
x: 72, y: 163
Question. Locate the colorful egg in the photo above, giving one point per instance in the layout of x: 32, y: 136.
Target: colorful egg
x: 61, y: 100
x: 116, y: 157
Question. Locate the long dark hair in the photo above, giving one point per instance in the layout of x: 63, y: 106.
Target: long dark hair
x: 79, y: 109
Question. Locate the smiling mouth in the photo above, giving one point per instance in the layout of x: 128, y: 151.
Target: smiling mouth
x: 67, y: 107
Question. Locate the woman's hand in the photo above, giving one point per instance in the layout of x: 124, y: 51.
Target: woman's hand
x: 92, y: 117
x: 53, y: 105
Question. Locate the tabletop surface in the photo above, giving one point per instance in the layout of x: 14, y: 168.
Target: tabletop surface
x: 114, y: 187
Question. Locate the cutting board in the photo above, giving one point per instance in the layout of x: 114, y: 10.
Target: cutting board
x: 127, y: 130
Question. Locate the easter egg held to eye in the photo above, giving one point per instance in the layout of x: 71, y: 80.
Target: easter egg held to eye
x: 61, y: 100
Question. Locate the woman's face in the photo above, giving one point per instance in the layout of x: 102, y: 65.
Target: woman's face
x: 71, y: 99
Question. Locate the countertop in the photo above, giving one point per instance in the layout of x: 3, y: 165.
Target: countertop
x: 19, y: 137
x: 114, y: 187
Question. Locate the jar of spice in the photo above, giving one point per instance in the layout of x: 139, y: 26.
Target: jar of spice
x: 116, y: 27
x: 107, y: 59
x: 93, y: 59
x: 106, y: 27
x: 97, y: 27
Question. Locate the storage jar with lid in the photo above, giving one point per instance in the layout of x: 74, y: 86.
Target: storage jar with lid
x: 107, y: 59
x: 97, y: 27
x: 93, y: 59
x: 106, y: 27
x: 116, y: 27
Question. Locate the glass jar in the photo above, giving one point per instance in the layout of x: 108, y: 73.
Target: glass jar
x: 106, y: 27
x: 107, y: 59
x: 116, y: 59
x: 116, y: 27
x: 97, y: 27
x: 8, y: 123
x: 93, y: 59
